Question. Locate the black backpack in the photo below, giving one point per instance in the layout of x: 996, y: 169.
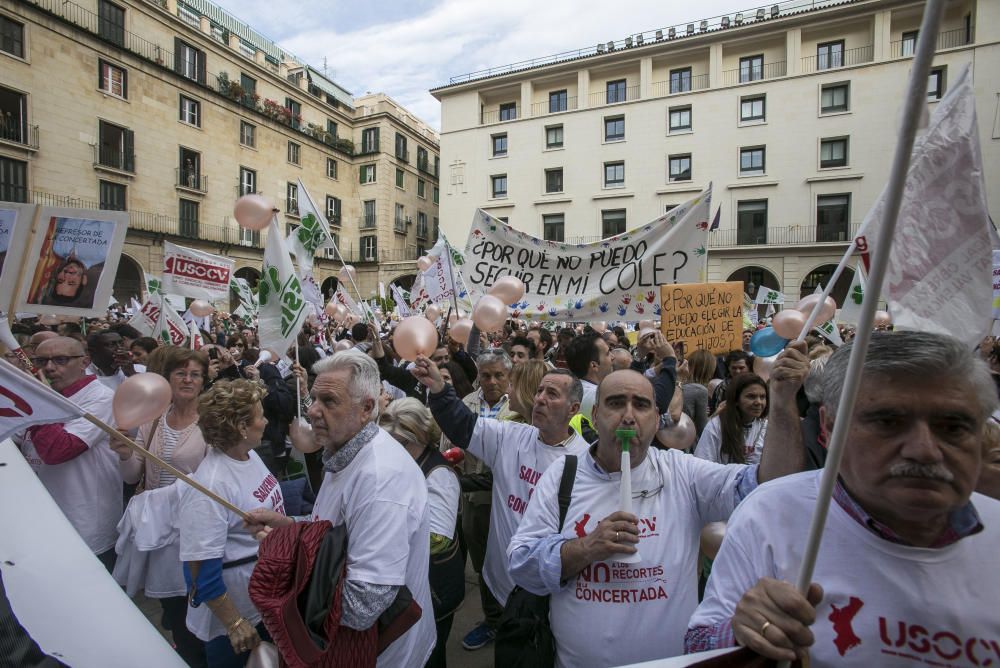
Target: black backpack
x: 524, y: 637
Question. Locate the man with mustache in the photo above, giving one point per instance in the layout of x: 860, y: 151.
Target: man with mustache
x: 900, y: 572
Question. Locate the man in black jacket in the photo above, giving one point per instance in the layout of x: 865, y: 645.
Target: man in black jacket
x: 279, y: 409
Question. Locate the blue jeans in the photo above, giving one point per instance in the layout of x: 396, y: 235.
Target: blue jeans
x: 219, y: 651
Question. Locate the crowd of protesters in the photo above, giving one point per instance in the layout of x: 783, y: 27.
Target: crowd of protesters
x: 466, y: 452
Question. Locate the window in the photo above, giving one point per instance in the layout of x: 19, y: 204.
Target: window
x: 369, y: 249
x: 11, y: 37
x: 113, y: 79
x: 753, y: 108
x: 249, y: 86
x: 680, y: 80
x: 13, y: 180
x: 554, y: 227
x: 437, y: 165
x: 834, y: 98
x: 399, y: 178
x: 189, y: 62
x: 116, y: 147
x: 401, y: 151
x: 616, y: 91
x: 679, y: 167
x: 752, y: 161
x: 751, y: 68
x: 614, y: 174
x: 331, y: 168
x: 112, y: 196
x: 368, y: 218
x: 421, y: 188
x: 248, y: 134
x: 399, y: 222
x: 14, y: 116
x: 369, y: 140
x: 331, y: 128
x: 614, y: 128
x: 557, y: 101
x: 833, y: 217
x: 554, y: 180
x: 680, y: 118
x: 188, y: 215
x: 422, y: 158
x: 612, y: 222
x: 935, y: 84
x: 499, y: 145
x: 437, y: 195
x: 508, y: 111
x: 421, y: 225
x: 296, y: 109
x: 833, y: 153
x: 830, y: 55
x: 498, y: 185
x: 333, y: 210
x: 751, y: 222
x: 667, y: 208
x: 190, y: 111
x: 367, y: 173
x: 909, y: 43
x: 189, y: 169
x: 111, y: 22
x: 248, y: 181
x: 294, y: 152
x: 292, y: 198
x: 554, y: 136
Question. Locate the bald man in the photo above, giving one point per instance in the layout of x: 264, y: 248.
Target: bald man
x: 73, y: 459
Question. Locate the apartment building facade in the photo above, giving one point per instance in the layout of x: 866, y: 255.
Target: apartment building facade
x: 791, y: 111
x: 172, y: 109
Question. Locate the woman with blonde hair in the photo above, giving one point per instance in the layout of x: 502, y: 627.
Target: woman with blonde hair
x: 410, y: 422
x: 217, y: 551
x: 524, y: 381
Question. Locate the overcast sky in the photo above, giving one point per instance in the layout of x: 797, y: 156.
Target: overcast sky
x: 404, y: 48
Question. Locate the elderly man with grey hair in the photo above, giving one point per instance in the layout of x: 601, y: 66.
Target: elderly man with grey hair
x: 374, y: 487
x: 900, y: 576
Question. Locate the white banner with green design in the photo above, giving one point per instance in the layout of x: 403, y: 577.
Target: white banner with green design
x: 282, y: 308
x: 312, y: 233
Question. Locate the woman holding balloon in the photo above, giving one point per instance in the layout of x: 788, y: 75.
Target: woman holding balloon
x: 736, y: 434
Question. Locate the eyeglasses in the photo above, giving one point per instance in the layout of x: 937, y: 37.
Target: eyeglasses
x: 58, y: 360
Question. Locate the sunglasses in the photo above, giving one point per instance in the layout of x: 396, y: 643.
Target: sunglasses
x: 58, y: 360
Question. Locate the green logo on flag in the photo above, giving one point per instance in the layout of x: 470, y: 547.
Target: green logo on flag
x: 857, y: 294
x: 772, y: 296
x: 310, y: 233
x: 154, y: 286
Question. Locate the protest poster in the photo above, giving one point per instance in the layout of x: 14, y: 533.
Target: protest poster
x: 705, y: 316
x: 75, y: 258
x: 194, y: 273
x: 616, y: 278
x: 15, y: 226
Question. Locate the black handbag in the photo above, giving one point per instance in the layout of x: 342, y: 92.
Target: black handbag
x: 524, y: 636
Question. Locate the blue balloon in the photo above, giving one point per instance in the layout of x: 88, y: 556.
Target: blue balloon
x: 765, y: 342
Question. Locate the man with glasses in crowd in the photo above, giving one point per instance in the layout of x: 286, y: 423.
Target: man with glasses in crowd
x: 73, y: 459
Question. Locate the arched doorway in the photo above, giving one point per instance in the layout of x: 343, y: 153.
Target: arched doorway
x: 251, y: 276
x: 821, y: 275
x: 328, y: 287
x: 129, y: 281
x: 754, y: 278
x: 405, y: 281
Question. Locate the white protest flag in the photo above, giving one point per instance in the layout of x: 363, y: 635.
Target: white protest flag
x: 343, y: 297
x: 282, y: 309
x: 766, y: 295
x: 195, y: 273
x: 170, y: 326
x: 850, y: 310
x: 769, y: 311
x: 828, y: 330
x: 402, y: 308
x: 244, y: 293
x: 438, y: 277
x: 939, y: 267
x: 616, y: 278
x: 134, y: 306
x: 312, y: 233
x: 195, y: 338
x: 310, y: 291
x: 24, y: 401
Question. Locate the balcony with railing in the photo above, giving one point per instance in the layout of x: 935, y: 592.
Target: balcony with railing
x: 752, y: 73
x: 949, y: 39
x: 190, y: 179
x: 14, y: 132
x: 399, y: 224
x: 367, y: 221
x: 794, y: 235
x: 427, y: 167
x: 830, y: 61
x: 402, y: 155
x: 107, y: 157
x: 686, y: 85
x: 554, y: 106
x: 421, y: 230
x: 497, y: 116
x: 614, y: 96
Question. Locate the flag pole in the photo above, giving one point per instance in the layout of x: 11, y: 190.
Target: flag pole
x: 451, y: 273
x: 914, y: 102
x: 298, y: 385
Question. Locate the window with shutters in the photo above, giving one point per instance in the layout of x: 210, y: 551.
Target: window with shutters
x: 190, y: 111
x: 248, y: 134
x: 369, y: 140
x: 112, y: 79
x: 367, y: 173
x: 292, y: 198
x: 115, y: 148
x: 111, y: 22
x: 248, y: 181
x: 189, y: 62
x: 11, y: 37
x: 331, y: 168
x: 294, y: 153
x: 421, y: 189
x: 13, y: 180
x: 112, y: 196
x: 369, y: 249
x: 399, y: 178
x: 401, y: 151
x: 188, y: 214
x: 333, y: 210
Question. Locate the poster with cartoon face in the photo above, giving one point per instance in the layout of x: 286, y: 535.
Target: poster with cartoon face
x: 15, y: 226
x: 73, y: 261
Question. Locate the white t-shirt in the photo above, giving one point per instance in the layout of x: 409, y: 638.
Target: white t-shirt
x: 612, y: 613
x: 518, y: 458
x: 115, y: 379
x: 381, y: 496
x: 884, y: 604
x: 210, y: 531
x: 87, y: 488
x: 710, y: 444
x: 589, y: 396
x: 443, y: 491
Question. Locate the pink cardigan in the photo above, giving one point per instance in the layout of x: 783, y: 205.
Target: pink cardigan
x: 190, y: 450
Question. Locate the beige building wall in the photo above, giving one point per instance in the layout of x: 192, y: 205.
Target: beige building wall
x: 874, y: 66
x: 58, y: 75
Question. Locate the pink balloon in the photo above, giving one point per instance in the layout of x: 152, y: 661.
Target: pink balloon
x: 788, y: 323
x: 200, y: 308
x: 331, y: 309
x: 424, y: 263
x: 680, y: 436
x: 453, y: 318
x: 882, y: 319
x: 343, y: 344
x: 508, y: 289
x: 432, y: 312
x: 599, y: 326
x: 253, y: 212
x: 414, y: 336
x: 347, y: 274
x: 807, y: 304
x: 140, y: 398
x: 762, y: 366
x: 490, y: 313
x: 461, y: 330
